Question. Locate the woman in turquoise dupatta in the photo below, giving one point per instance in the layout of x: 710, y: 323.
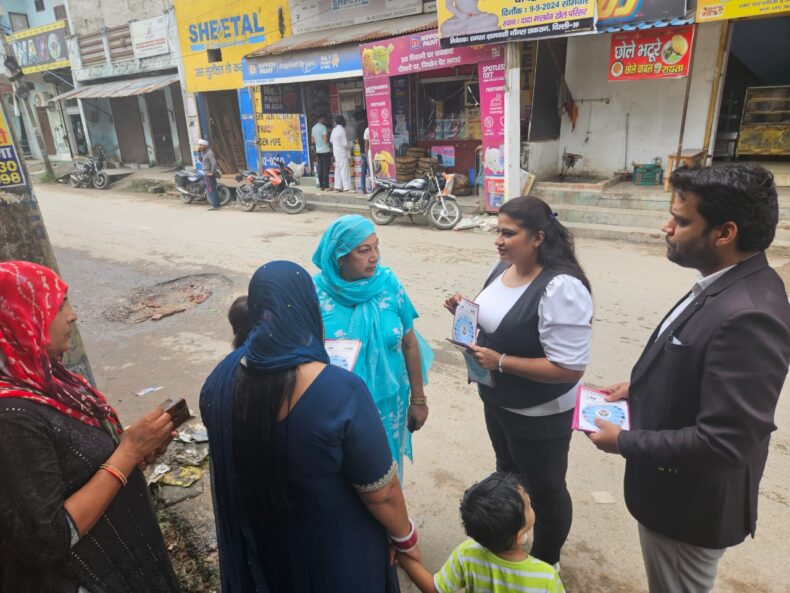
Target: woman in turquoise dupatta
x: 363, y: 300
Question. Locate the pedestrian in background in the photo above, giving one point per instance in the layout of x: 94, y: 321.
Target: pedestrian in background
x: 76, y: 515
x: 341, y: 150
x: 304, y: 485
x: 323, y: 151
x: 363, y: 300
x: 363, y: 137
x: 209, y: 162
x: 535, y: 333
x: 704, y: 392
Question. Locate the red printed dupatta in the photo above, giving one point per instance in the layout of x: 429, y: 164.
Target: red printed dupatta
x: 30, y: 298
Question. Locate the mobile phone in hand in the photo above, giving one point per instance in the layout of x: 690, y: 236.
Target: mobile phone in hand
x: 178, y: 410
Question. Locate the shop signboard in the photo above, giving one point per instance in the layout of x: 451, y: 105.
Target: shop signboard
x: 11, y: 173
x: 470, y: 22
x: 215, y: 37
x: 718, y: 10
x: 41, y: 48
x: 654, y: 53
x: 282, y: 136
x: 492, y: 101
x: 408, y: 54
x: 621, y: 12
x: 149, y: 37
x: 325, y: 64
x: 320, y: 15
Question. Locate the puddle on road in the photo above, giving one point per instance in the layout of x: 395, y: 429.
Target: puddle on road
x: 152, y: 303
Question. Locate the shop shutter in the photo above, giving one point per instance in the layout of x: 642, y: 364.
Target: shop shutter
x: 181, y: 124
x: 129, y: 129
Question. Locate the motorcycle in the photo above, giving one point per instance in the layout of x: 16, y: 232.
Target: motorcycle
x: 429, y: 196
x: 191, y: 184
x: 88, y: 171
x: 276, y: 186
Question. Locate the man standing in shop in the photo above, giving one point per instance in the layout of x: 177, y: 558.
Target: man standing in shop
x: 209, y: 162
x: 703, y: 394
x: 323, y: 151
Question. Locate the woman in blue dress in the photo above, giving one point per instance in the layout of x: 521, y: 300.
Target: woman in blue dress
x: 363, y: 300
x: 305, y: 488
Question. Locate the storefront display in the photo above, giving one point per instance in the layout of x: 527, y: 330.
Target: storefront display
x: 765, y: 125
x: 459, y: 97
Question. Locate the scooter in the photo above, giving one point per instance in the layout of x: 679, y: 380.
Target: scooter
x: 275, y: 186
x: 88, y: 171
x: 191, y: 184
x: 429, y: 196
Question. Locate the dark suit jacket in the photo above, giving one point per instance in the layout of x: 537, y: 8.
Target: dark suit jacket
x: 702, y: 410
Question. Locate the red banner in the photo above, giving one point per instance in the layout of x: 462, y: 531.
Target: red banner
x: 655, y: 53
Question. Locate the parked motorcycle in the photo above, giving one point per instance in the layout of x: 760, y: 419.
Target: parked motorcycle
x: 191, y: 184
x: 429, y: 196
x: 276, y: 186
x: 88, y: 171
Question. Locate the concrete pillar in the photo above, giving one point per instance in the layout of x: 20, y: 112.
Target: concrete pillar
x: 171, y: 117
x: 512, y: 120
x: 147, y: 130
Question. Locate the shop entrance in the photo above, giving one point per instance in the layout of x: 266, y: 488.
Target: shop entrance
x: 224, y: 130
x: 754, y: 118
x: 160, y: 128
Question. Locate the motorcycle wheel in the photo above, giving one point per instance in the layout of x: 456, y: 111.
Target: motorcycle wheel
x: 223, y: 191
x: 292, y: 200
x: 74, y: 182
x: 244, y: 198
x: 186, y: 198
x: 101, y: 180
x: 444, y: 217
x: 380, y: 217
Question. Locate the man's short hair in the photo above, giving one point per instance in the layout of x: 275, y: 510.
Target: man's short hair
x: 743, y: 194
x: 492, y: 511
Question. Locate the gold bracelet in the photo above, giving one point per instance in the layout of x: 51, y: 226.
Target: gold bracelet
x: 418, y: 401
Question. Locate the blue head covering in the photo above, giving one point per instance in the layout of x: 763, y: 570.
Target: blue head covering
x: 288, y: 328
x: 340, y: 239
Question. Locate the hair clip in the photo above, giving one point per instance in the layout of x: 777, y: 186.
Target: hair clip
x: 554, y: 216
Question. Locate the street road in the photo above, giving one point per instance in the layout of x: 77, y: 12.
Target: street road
x: 110, y: 243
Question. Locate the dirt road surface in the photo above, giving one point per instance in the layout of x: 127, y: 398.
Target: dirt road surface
x: 110, y: 244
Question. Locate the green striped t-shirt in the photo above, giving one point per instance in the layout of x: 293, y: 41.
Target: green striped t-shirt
x: 475, y: 569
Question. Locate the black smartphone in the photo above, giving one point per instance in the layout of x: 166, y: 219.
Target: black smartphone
x: 178, y: 410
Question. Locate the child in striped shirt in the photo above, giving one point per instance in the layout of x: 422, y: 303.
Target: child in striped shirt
x: 497, y: 515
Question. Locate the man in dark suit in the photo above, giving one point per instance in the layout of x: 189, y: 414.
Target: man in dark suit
x: 703, y: 393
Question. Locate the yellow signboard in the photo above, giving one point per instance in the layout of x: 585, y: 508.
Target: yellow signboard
x: 470, y: 22
x: 41, y: 48
x: 11, y: 173
x: 718, y: 10
x: 215, y: 36
x: 279, y: 132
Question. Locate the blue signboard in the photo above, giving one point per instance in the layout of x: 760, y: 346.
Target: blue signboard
x: 324, y: 64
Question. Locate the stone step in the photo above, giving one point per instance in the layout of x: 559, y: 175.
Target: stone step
x: 358, y: 203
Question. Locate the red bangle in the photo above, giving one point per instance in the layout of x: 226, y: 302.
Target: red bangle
x: 115, y: 472
x: 407, y: 543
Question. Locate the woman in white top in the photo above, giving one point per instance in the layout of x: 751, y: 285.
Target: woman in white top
x: 340, y: 150
x: 535, y: 331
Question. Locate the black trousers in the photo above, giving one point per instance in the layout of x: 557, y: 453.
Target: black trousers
x: 324, y: 161
x: 536, y: 449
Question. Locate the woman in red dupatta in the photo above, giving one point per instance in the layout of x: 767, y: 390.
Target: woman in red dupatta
x: 75, y: 514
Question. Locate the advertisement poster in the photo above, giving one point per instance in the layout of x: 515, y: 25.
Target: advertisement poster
x: 215, y: 37
x: 319, y: 15
x: 41, y: 48
x: 281, y: 98
x: 379, y: 108
x: 470, y: 22
x: 282, y: 135
x: 149, y: 37
x: 718, y: 10
x: 400, y: 111
x: 492, y: 103
x: 445, y: 155
x: 11, y: 174
x: 328, y: 63
x: 654, y: 53
x: 621, y: 12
